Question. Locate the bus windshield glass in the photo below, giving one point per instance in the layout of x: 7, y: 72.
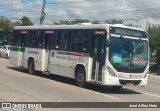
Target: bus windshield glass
x: 128, y: 54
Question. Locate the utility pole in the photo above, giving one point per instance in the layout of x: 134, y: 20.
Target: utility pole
x: 137, y: 23
x: 147, y: 25
x: 42, y: 13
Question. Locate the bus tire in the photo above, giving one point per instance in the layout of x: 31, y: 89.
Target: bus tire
x: 80, y: 77
x: 31, y: 67
x: 117, y: 87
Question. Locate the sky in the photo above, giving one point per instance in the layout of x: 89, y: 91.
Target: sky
x: 137, y: 12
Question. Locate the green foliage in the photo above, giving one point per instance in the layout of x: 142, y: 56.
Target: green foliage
x: 26, y: 21
x: 131, y: 25
x: 6, y: 29
x: 17, y: 23
x: 154, y: 38
x: 67, y: 22
x: 96, y: 22
x: 80, y: 21
x: 114, y: 21
x: 76, y: 21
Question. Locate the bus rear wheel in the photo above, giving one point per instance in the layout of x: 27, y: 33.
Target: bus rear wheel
x: 31, y: 67
x: 81, y: 77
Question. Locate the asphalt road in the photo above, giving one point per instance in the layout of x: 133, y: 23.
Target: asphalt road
x: 16, y: 85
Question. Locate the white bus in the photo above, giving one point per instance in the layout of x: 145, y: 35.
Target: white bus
x: 112, y: 55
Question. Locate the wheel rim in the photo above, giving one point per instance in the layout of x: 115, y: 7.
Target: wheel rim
x: 80, y: 77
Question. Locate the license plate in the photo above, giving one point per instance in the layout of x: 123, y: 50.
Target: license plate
x: 129, y: 84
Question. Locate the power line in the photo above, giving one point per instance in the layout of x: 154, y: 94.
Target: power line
x: 140, y: 11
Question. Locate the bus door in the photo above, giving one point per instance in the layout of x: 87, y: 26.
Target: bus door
x: 98, y: 54
x: 48, y: 46
x: 23, y: 39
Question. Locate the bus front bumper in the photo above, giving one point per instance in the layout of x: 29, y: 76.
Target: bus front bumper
x: 115, y: 81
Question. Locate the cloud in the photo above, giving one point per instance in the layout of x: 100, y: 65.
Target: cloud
x: 102, y: 9
x: 16, y: 9
x: 127, y: 10
x: 130, y: 11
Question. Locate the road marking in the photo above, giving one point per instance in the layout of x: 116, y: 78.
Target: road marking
x: 102, y: 94
x: 148, y: 93
x: 3, y: 67
x: 106, y: 95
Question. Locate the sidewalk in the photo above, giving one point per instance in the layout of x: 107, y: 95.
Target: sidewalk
x: 154, y: 75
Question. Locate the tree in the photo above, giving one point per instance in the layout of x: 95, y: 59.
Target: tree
x: 114, y: 21
x: 130, y: 25
x: 67, y: 22
x: 26, y: 21
x: 96, y: 22
x: 6, y: 29
x: 17, y: 23
x: 154, y: 39
x: 80, y: 21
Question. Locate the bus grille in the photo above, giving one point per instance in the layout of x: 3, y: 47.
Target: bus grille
x: 124, y: 82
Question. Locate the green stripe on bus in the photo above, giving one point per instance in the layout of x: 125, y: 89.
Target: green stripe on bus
x: 64, y: 53
x: 19, y: 49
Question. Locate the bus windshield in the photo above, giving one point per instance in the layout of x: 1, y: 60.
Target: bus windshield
x: 128, y: 55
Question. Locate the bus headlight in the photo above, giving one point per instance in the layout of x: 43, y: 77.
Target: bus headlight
x: 111, y: 72
x: 146, y: 74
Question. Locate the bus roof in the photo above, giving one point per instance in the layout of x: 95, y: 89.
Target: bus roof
x: 76, y: 26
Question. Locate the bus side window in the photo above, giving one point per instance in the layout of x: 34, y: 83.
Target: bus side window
x: 23, y: 39
x: 48, y: 41
x: 29, y: 39
x: 37, y: 39
x: 79, y: 40
x: 15, y: 40
x: 63, y: 40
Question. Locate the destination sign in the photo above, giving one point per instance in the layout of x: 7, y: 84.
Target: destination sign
x: 128, y: 32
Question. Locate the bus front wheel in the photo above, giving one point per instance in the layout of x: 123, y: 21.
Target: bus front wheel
x: 31, y: 67
x: 80, y: 77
